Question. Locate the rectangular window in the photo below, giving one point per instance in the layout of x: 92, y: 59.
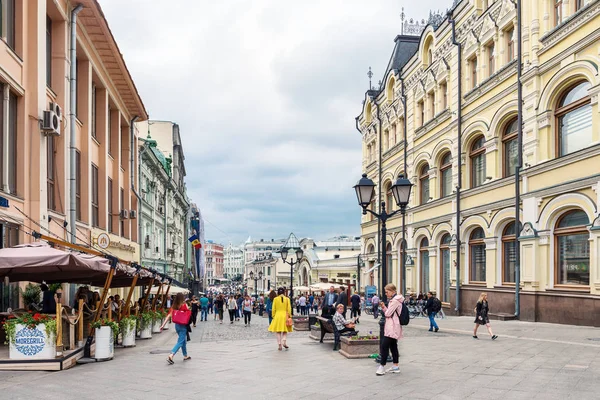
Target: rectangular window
x: 421, y: 110
x: 93, y: 124
x: 48, y: 51
x: 509, y: 257
x: 12, y: 142
x: 510, y: 44
x: 431, y: 105
x: 491, y: 59
x: 109, y: 130
x: 110, y: 206
x: 473, y: 64
x: 477, y: 262
x: 95, y: 197
x: 50, y: 173
x: 558, y: 12
x: 444, y: 93
x: 573, y: 259
x: 122, y: 203
x: 7, y: 19
x: 78, y: 185
x: 579, y: 4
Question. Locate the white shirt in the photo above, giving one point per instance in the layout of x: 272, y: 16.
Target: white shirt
x: 302, y: 301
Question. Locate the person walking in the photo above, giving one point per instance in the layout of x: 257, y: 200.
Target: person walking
x: 247, y: 307
x: 311, y: 302
x: 432, y: 307
x: 282, y: 310
x: 392, y: 331
x: 181, y: 329
x: 219, y: 304
x: 342, y: 299
x: 203, y: 308
x: 328, y: 304
x: 210, y: 304
x: 355, y: 301
x: 232, y: 308
x: 240, y: 299
x: 269, y: 305
x: 302, y: 302
x: 481, y: 310
x: 375, y: 305
x: 195, y: 309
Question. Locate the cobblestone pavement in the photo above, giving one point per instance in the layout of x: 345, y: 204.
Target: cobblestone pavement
x: 528, y: 361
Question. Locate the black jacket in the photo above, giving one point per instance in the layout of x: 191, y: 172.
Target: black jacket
x: 342, y: 299
x: 429, y: 305
x: 355, y: 300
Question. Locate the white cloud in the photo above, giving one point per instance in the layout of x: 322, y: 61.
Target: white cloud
x: 265, y: 93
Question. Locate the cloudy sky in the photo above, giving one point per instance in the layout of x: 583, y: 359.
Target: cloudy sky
x: 265, y: 93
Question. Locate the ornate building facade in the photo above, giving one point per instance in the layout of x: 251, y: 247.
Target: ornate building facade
x: 417, y: 106
x: 233, y: 262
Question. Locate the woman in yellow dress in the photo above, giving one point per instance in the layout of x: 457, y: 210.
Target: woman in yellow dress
x: 282, y: 309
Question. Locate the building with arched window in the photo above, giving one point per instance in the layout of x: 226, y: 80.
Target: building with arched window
x: 558, y: 234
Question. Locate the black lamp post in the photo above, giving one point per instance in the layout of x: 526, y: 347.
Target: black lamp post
x: 365, y: 192
x: 256, y: 277
x: 291, y: 263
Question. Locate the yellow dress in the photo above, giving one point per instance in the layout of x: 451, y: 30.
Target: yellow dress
x: 281, y: 309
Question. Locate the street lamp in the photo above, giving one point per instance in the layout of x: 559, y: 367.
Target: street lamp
x: 365, y: 193
x: 291, y: 263
x: 256, y: 278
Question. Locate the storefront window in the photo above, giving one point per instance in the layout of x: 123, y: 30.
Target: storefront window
x: 572, y: 249
x: 444, y: 294
x: 477, y: 255
x: 424, y: 253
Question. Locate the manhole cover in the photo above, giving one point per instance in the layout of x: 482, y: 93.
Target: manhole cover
x: 160, y: 351
x: 594, y: 339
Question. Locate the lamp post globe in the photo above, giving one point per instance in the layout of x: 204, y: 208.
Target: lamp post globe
x: 299, y: 254
x: 401, y: 190
x: 284, y: 253
x: 365, y: 191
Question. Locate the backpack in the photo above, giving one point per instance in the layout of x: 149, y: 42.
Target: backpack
x: 404, y: 315
x: 436, y: 305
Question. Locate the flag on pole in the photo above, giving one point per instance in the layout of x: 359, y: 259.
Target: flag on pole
x: 195, y: 241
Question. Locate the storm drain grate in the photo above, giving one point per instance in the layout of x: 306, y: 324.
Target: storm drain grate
x: 160, y: 351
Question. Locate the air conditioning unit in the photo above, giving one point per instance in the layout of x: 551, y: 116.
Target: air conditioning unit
x: 57, y: 110
x: 124, y: 214
x: 132, y: 214
x: 51, y: 123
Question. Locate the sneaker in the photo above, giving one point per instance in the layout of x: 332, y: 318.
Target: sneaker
x: 431, y: 330
x: 437, y: 329
x: 475, y: 337
x: 380, y: 370
x: 393, y: 370
x: 494, y: 337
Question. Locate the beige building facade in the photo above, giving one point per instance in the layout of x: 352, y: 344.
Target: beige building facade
x: 559, y: 235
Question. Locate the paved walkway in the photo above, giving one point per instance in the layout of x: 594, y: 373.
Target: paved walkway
x: 528, y: 361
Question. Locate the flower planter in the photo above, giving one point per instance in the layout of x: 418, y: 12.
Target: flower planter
x: 354, y: 348
x: 129, y: 338
x: 105, y: 346
x: 32, y: 344
x: 301, y: 323
x: 315, y: 334
x: 156, y: 326
x: 146, y: 333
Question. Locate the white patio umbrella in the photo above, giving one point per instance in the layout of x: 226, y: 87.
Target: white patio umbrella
x: 302, y: 288
x: 323, y: 286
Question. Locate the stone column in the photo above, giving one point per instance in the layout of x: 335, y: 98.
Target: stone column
x: 491, y: 264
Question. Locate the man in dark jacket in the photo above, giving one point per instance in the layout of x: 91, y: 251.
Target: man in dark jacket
x: 355, y: 300
x: 329, y: 302
x: 431, y: 308
x: 342, y: 299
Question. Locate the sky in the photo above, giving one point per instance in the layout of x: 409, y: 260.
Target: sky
x: 265, y: 93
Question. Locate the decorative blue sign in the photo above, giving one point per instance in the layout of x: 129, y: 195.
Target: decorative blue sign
x: 3, y: 202
x: 30, y: 341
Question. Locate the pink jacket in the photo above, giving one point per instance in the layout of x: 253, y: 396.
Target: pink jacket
x: 392, y: 328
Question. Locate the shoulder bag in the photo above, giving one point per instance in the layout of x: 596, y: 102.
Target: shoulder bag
x: 181, y: 317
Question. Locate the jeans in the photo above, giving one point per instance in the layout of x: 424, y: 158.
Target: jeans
x: 269, y: 313
x: 203, y: 313
x: 302, y: 310
x: 181, y: 340
x: 432, y: 323
x: 247, y: 316
x: 232, y: 315
x: 355, y: 313
x: 210, y: 308
x: 375, y: 310
x: 387, y: 345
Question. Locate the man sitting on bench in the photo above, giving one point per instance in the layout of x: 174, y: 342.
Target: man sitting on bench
x: 341, y: 324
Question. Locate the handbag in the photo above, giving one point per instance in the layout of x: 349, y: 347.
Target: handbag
x: 181, y: 317
x: 289, y: 321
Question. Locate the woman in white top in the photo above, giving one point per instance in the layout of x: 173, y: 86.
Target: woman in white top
x: 247, y: 305
x: 231, y: 306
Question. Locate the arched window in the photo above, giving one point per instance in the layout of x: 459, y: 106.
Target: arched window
x: 424, y: 263
x: 388, y: 260
x: 389, y: 197
x: 571, y: 241
x: 477, y: 156
x: 369, y: 113
x: 446, y: 175
x: 390, y: 90
x: 424, y: 183
x: 445, y: 268
x: 510, y: 147
x: 477, y: 255
x: 574, y: 120
x: 509, y: 253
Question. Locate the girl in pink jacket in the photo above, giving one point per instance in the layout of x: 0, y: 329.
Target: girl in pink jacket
x: 392, y: 330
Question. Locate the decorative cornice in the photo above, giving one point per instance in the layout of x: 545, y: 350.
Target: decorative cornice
x: 573, y: 23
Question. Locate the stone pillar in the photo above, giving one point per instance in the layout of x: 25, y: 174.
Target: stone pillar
x: 491, y: 262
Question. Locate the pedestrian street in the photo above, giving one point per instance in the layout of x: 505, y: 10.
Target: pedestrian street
x: 528, y: 361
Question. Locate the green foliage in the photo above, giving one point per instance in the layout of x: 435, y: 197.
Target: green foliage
x: 31, y: 321
x: 127, y: 324
x: 146, y: 319
x: 107, y: 322
x: 53, y: 287
x: 31, y: 295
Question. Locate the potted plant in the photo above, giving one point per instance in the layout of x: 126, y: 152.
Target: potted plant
x: 31, y: 336
x: 31, y: 296
x: 106, y: 332
x: 359, y: 346
x: 145, y: 324
x: 157, y: 320
x: 127, y: 327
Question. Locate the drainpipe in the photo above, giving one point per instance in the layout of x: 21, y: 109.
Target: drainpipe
x: 458, y: 186
x: 381, y: 240
x: 404, y: 128
x: 72, y: 117
x: 519, y: 162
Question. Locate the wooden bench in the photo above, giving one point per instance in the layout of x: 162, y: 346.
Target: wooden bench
x: 327, y: 326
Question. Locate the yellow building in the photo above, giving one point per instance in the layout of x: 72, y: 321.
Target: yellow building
x: 560, y: 177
